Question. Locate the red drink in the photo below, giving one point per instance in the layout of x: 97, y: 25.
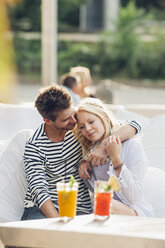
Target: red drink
x: 102, y: 200
x: 102, y: 204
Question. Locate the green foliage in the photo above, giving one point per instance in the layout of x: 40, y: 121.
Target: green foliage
x: 28, y: 55
x: 122, y: 52
x: 117, y: 48
x: 149, y: 60
x: 68, y: 14
x: 71, y: 55
x: 147, y: 4
x: 26, y: 16
x: 129, y: 16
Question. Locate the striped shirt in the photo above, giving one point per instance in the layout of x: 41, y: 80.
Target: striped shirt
x: 47, y: 163
x: 136, y: 125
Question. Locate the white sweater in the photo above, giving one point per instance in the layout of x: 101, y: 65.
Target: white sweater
x: 131, y: 177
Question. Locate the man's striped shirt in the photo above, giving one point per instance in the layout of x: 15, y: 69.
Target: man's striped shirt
x: 47, y: 163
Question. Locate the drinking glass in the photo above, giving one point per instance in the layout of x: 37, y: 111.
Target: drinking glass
x: 67, y: 200
x: 102, y: 200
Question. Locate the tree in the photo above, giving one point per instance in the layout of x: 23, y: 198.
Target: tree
x: 147, y: 4
x: 26, y: 15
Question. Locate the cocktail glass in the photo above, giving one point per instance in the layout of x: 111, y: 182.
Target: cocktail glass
x: 102, y: 200
x: 67, y: 200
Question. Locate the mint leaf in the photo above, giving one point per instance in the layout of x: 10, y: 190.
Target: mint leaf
x: 106, y: 187
x: 72, y: 181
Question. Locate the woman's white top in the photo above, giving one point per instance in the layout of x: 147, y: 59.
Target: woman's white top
x: 130, y: 179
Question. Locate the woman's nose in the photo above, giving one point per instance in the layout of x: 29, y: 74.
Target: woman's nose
x: 87, y: 128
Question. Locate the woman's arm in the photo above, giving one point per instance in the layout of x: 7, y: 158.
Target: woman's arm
x: 129, y: 168
x: 113, y: 149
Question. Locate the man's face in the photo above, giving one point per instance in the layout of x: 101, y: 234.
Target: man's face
x: 65, y: 119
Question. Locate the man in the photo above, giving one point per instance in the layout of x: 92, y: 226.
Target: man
x: 72, y: 84
x: 53, y: 154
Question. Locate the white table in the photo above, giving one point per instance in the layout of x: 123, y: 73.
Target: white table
x: 85, y: 232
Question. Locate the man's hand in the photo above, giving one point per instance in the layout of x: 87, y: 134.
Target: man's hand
x: 83, y: 169
x: 98, y: 155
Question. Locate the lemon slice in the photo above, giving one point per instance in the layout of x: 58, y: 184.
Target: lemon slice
x: 114, y: 183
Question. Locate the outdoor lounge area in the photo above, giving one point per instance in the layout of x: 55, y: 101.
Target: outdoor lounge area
x: 121, y: 46
x: 137, y: 231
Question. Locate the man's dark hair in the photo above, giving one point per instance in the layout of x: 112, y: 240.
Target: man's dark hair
x: 69, y: 81
x: 51, y: 100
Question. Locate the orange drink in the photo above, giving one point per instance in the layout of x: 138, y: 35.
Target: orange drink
x: 67, y: 199
x: 102, y: 200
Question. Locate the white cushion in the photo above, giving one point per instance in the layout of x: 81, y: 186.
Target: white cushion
x: 154, y: 142
x: 3, y: 144
x: 12, y: 178
x: 123, y: 114
x: 154, y: 190
x: 17, y: 117
x: 152, y: 136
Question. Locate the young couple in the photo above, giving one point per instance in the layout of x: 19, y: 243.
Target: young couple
x: 55, y: 152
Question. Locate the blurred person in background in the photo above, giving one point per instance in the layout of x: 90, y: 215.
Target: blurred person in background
x: 72, y: 83
x: 86, y: 80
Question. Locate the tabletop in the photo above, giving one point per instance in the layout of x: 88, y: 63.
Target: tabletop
x: 84, y: 231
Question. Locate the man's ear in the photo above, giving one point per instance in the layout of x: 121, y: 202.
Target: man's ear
x: 47, y: 121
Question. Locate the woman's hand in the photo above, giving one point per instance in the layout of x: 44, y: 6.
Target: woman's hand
x: 98, y: 155
x: 83, y: 169
x: 113, y: 149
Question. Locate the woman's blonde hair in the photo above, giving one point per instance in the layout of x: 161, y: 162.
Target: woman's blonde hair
x: 83, y: 73
x: 96, y: 107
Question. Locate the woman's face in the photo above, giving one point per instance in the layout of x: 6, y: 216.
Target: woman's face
x: 90, y: 125
x: 88, y: 80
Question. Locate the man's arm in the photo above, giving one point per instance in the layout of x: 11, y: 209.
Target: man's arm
x: 37, y: 183
x: 83, y: 169
x: 49, y: 210
x: 126, y: 131
x: 133, y: 128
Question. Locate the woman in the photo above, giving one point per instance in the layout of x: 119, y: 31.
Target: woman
x: 127, y: 161
x: 85, y: 80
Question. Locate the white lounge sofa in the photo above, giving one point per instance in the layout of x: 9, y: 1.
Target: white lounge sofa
x: 18, y: 123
